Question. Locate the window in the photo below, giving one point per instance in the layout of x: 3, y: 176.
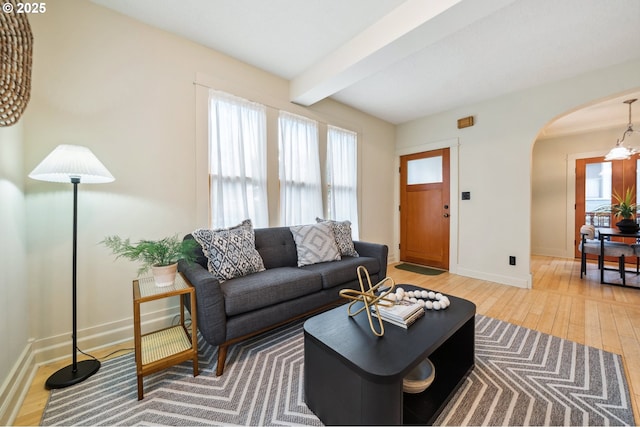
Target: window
x: 272, y: 166
x: 300, y: 185
x: 597, y: 189
x: 342, y: 176
x: 424, y: 171
x: 237, y: 161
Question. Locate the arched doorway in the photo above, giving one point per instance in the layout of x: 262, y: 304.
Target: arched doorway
x: 585, y: 133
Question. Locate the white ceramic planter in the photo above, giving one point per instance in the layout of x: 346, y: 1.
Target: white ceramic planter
x: 165, y: 276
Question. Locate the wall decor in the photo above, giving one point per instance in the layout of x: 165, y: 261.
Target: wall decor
x: 16, y: 48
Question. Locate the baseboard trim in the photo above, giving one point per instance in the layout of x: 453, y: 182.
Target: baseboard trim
x: 554, y: 252
x: 517, y: 281
x: 16, y: 386
x: 58, y: 347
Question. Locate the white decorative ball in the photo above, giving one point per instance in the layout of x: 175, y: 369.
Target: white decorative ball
x: 413, y: 299
x: 438, y: 296
x: 410, y: 294
x: 424, y: 294
x: 432, y: 294
x: 428, y: 305
x: 400, y: 291
x: 421, y: 303
x: 445, y: 300
x: 436, y: 305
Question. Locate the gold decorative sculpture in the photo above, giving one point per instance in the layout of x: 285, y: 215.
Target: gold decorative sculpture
x: 16, y: 46
x: 369, y: 298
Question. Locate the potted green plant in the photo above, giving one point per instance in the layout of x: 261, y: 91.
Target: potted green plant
x: 161, y: 256
x: 624, y: 209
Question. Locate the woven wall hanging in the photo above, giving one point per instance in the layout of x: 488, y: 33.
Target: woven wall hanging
x: 16, y: 48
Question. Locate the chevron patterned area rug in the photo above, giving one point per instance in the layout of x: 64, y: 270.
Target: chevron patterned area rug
x: 522, y: 377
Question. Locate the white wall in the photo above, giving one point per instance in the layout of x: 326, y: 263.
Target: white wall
x: 553, y: 187
x: 14, y: 301
x: 495, y: 166
x: 126, y: 91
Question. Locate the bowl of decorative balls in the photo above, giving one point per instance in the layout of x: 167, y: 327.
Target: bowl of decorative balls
x: 430, y: 300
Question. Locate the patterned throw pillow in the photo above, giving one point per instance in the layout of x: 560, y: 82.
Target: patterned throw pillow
x: 342, y: 231
x: 231, y: 252
x: 315, y: 243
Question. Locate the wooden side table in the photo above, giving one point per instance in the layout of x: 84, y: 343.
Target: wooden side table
x: 166, y: 347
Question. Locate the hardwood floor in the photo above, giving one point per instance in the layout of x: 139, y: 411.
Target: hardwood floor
x: 560, y: 303
x: 37, y: 397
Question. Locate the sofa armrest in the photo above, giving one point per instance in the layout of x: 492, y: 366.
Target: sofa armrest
x: 211, y: 316
x: 374, y: 250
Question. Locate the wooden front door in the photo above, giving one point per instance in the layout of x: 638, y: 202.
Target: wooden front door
x: 424, y: 208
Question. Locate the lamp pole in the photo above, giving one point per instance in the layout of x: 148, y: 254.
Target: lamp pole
x: 77, y: 371
x: 74, y: 282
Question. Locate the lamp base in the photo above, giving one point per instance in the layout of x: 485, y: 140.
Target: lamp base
x: 66, y: 376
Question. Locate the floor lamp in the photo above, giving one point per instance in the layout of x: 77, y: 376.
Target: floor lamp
x: 74, y: 164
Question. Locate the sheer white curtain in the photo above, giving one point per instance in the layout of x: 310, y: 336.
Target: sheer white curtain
x: 342, y: 176
x: 237, y: 161
x: 300, y: 185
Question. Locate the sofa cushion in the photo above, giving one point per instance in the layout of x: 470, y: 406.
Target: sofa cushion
x: 342, y: 233
x: 343, y: 271
x: 230, y: 252
x: 276, y: 247
x: 315, y: 243
x: 268, y: 287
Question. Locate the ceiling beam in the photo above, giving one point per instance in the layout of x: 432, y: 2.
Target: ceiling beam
x: 410, y: 27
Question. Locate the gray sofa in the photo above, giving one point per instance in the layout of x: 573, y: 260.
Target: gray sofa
x: 239, y: 308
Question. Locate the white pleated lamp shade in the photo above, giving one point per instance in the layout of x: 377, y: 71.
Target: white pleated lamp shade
x: 72, y: 161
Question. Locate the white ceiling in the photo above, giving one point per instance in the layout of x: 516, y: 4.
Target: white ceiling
x: 401, y: 60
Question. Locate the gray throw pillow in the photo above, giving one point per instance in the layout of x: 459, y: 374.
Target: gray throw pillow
x: 315, y: 243
x: 231, y: 252
x: 342, y: 231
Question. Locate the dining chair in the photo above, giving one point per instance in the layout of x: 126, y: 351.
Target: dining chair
x: 589, y: 244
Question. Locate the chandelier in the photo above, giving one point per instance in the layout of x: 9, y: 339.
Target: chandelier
x: 620, y: 152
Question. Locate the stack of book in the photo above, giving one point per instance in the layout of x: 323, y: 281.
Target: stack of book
x: 402, y: 313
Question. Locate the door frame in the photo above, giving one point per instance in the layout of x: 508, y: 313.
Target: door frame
x: 571, y: 199
x: 453, y: 145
